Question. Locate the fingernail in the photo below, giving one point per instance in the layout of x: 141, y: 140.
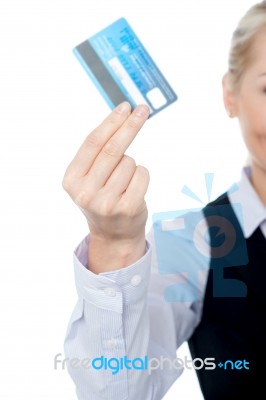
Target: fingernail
x: 123, y: 107
x: 142, y: 111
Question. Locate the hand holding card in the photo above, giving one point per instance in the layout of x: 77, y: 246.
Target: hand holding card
x: 110, y: 188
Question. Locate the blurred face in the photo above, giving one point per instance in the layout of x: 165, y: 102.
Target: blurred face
x: 249, y: 104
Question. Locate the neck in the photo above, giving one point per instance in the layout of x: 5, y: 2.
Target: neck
x: 258, y: 179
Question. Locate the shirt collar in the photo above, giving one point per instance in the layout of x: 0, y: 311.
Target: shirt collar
x: 252, y: 212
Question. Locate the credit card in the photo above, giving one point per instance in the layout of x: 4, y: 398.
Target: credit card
x: 122, y: 69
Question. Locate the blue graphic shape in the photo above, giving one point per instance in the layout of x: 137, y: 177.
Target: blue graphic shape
x: 188, y: 192
x: 190, y: 241
x: 233, y: 189
x: 209, y: 182
x: 175, y: 250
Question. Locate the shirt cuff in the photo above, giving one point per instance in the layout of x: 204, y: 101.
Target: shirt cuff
x: 111, y: 290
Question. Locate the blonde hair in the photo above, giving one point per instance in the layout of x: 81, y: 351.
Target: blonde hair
x: 240, y: 52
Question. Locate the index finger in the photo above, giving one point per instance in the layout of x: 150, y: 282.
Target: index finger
x: 95, y: 141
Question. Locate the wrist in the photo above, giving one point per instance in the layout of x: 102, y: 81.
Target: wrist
x: 105, y: 255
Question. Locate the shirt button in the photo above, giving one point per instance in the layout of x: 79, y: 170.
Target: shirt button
x: 111, y: 343
x: 109, y: 291
x: 135, y: 280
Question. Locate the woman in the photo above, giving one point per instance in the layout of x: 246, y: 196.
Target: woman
x: 220, y: 309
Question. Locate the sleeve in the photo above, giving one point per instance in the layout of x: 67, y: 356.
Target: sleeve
x: 123, y: 334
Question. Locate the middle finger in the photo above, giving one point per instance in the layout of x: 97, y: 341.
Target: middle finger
x: 114, y: 149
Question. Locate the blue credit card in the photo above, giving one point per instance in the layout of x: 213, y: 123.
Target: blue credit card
x: 122, y: 69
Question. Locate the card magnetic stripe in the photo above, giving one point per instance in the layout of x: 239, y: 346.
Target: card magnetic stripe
x: 97, y: 70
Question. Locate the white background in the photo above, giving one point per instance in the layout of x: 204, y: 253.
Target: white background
x: 48, y: 105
